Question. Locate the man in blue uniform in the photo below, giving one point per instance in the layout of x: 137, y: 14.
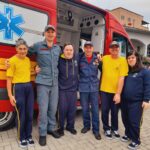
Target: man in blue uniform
x: 47, y: 54
x: 89, y: 89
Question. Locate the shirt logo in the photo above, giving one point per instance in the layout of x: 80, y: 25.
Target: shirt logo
x: 96, y: 62
x: 135, y: 75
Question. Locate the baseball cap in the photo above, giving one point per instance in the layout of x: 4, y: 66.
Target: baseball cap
x: 49, y: 27
x: 88, y: 43
x: 114, y: 43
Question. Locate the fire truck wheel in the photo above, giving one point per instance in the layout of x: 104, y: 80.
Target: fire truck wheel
x: 7, y: 120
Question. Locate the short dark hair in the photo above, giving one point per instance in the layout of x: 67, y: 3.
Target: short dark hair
x: 138, y: 64
x: 66, y: 44
x: 21, y: 41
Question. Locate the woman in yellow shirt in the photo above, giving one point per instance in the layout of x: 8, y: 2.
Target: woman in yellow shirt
x: 18, y: 81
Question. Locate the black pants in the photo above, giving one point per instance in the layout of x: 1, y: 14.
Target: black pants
x: 132, y: 119
x: 25, y: 103
x: 107, y: 105
x: 67, y: 108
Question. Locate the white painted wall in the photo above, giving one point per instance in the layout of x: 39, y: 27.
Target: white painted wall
x: 143, y: 38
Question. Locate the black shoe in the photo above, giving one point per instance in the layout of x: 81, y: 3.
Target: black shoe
x: 108, y: 134
x: 85, y: 130
x: 125, y: 138
x: 42, y: 140
x: 72, y: 131
x: 97, y: 136
x: 30, y: 141
x: 60, y: 132
x: 55, y: 134
x: 116, y: 134
x: 133, y: 146
x: 23, y: 144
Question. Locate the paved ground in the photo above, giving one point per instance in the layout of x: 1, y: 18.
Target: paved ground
x: 8, y: 139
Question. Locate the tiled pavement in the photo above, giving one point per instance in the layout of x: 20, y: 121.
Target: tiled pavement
x: 8, y: 140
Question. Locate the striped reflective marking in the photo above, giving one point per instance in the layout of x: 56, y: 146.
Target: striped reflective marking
x: 2, y: 75
x: 2, y: 64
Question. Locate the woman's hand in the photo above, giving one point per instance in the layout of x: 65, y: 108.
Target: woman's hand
x: 145, y: 105
x: 37, y: 69
x: 99, y: 57
x: 7, y: 63
x: 116, y: 98
x: 12, y: 100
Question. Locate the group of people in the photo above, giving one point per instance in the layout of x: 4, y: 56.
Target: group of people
x: 60, y: 74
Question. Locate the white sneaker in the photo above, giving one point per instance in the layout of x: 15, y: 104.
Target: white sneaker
x: 23, y: 144
x: 30, y: 142
x: 133, y: 146
x: 116, y: 134
x: 125, y: 138
x: 108, y: 134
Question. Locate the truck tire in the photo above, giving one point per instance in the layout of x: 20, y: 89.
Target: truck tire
x: 7, y: 120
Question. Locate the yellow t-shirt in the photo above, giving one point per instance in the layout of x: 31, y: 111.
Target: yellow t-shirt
x: 111, y: 71
x: 19, y: 70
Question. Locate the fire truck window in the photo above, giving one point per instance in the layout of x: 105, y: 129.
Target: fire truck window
x: 122, y: 42
x: 18, y: 21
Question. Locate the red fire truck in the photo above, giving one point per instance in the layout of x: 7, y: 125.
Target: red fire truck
x: 76, y: 21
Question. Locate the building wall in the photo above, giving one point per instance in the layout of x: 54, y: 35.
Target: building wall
x: 128, y: 18
x: 140, y: 40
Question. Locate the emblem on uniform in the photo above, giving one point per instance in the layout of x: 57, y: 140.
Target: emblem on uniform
x: 135, y: 75
x: 75, y: 63
x: 96, y: 62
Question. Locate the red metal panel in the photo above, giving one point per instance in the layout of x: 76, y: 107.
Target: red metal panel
x: 6, y: 51
x: 5, y: 106
x: 2, y: 83
x: 50, y: 4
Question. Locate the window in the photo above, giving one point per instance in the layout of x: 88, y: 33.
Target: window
x: 27, y: 24
x: 122, y: 17
x: 129, y: 47
x: 122, y: 42
x: 129, y: 19
x: 148, y: 50
x: 138, y: 49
